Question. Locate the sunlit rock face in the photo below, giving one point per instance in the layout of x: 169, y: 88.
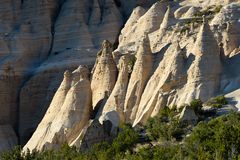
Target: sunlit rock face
x: 116, y: 100
x: 39, y: 40
x: 104, y: 72
x: 67, y: 114
x: 163, y: 56
x: 141, y: 73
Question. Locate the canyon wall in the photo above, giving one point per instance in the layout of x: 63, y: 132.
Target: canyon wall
x: 39, y: 40
x: 161, y: 54
x: 163, y: 59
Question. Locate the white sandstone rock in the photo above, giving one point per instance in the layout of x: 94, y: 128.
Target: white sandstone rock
x: 64, y: 119
x: 104, y: 74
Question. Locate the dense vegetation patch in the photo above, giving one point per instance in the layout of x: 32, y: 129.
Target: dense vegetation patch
x: 165, y: 126
x: 217, y: 102
x: 216, y: 139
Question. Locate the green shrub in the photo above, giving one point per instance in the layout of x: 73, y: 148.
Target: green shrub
x: 164, y: 127
x: 125, y: 139
x: 216, y: 139
x: 196, y: 105
x: 132, y: 62
x: 217, y: 102
x: 13, y: 154
x: 221, y: 100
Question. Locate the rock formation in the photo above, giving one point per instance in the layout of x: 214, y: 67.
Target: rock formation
x: 170, y: 74
x: 8, y: 138
x: 227, y: 21
x: 75, y: 40
x: 104, y: 74
x: 132, y: 21
x: 234, y: 98
x: 204, y: 73
x: 191, y: 12
x: 93, y: 133
x: 65, y: 119
x: 116, y: 100
x: 179, y: 57
x: 146, y: 24
x: 158, y: 36
x: 188, y: 116
x: 141, y: 72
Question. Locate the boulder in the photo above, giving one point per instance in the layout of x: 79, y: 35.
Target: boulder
x: 188, y: 116
x: 233, y: 98
x: 95, y: 132
x: 111, y: 116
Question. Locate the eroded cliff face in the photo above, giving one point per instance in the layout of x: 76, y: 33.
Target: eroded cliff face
x: 167, y: 55
x: 78, y: 31
x: 39, y: 40
x: 65, y: 119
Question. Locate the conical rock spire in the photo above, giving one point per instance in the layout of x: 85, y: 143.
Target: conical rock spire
x: 104, y: 73
x: 141, y: 73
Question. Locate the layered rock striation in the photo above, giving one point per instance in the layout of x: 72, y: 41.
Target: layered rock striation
x: 104, y: 73
x: 39, y: 40
x: 65, y: 119
x: 167, y: 56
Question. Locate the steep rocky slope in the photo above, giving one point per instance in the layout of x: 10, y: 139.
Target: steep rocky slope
x: 168, y: 55
x: 61, y: 121
x: 39, y: 40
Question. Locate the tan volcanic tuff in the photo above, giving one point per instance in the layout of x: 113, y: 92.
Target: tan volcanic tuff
x: 227, y: 22
x: 141, y: 72
x: 204, y: 73
x: 116, y: 100
x: 191, y: 60
x: 169, y: 75
x: 64, y: 120
x: 104, y: 73
x: 39, y: 40
x: 157, y: 37
x: 132, y: 21
x: 146, y: 24
x: 25, y: 41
